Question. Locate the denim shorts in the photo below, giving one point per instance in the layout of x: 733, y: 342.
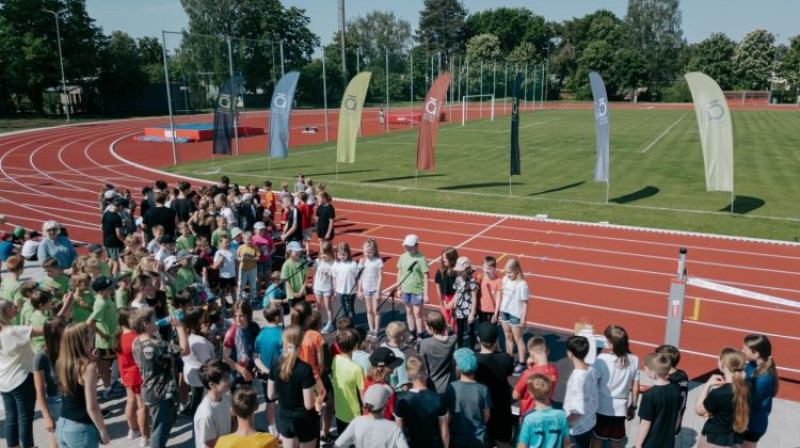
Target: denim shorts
x: 71, y: 434
x: 509, y: 319
x: 413, y: 299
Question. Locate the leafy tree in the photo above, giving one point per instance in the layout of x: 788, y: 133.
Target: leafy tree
x: 653, y: 27
x: 598, y: 56
x: 121, y: 68
x: 791, y: 63
x: 511, y: 26
x: 375, y: 32
x: 714, y: 57
x: 442, y: 26
x: 151, y: 57
x: 525, y: 53
x: 628, y: 70
x: 483, y: 47
x: 754, y: 60
x: 576, y: 35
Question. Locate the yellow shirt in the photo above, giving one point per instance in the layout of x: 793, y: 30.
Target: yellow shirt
x: 257, y: 440
x: 254, y: 253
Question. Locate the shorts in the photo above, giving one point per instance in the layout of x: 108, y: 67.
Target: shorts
x: 609, y: 428
x: 509, y: 319
x: 750, y: 436
x: 227, y: 282
x: 112, y: 253
x: 412, y: 299
x: 307, y: 233
x: 106, y: 354
x: 328, y: 384
x: 327, y: 293
x: 371, y: 295
x: 302, y: 425
x: 136, y: 389
x: 264, y: 267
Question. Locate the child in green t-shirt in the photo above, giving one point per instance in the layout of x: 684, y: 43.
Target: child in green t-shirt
x: 42, y: 303
x: 82, y: 297
x: 55, y: 281
x: 9, y: 289
x: 103, y: 320
x: 222, y: 230
x: 26, y: 289
x: 187, y: 239
x: 122, y: 294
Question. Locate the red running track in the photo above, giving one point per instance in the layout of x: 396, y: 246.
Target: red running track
x: 607, y: 274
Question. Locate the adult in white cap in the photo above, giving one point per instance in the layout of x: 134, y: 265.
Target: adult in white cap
x: 412, y: 280
x: 57, y: 246
x: 372, y: 430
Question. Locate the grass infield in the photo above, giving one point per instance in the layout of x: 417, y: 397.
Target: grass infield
x: 657, y: 174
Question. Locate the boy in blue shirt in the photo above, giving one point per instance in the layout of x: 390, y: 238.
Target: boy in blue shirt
x: 268, y: 348
x: 544, y: 426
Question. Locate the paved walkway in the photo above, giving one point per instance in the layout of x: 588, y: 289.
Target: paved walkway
x: 784, y: 430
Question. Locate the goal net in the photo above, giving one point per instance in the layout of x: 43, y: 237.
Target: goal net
x: 475, y: 107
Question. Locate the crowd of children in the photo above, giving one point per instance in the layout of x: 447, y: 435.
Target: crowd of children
x: 164, y: 314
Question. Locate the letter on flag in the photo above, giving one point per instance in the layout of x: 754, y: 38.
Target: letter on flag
x: 716, y: 131
x: 515, y: 159
x: 429, y: 123
x: 602, y: 125
x: 224, y: 114
x: 279, y: 111
x: 350, y: 117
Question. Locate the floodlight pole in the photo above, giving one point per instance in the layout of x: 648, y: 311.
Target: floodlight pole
x: 386, y: 115
x: 325, y: 94
x: 61, y: 59
x: 411, y: 70
x: 169, y: 103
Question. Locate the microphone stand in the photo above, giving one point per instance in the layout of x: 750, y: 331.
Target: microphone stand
x: 394, y: 290
x: 352, y: 291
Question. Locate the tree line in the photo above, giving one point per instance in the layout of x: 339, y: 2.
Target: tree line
x: 643, y: 54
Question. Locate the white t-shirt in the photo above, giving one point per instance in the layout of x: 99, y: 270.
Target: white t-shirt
x: 345, y: 275
x: 228, y: 267
x: 366, y: 432
x: 371, y: 276
x: 323, y: 276
x: 16, y: 356
x: 514, y: 293
x: 312, y: 199
x: 581, y: 398
x: 230, y: 217
x: 614, y: 383
x: 200, y: 351
x: 212, y: 420
x: 152, y: 246
x: 29, y: 249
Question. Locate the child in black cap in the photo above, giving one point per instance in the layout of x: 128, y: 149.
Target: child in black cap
x: 383, y: 361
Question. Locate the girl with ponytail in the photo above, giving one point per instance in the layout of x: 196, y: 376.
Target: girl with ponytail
x: 761, y: 373
x: 725, y: 400
x: 291, y: 382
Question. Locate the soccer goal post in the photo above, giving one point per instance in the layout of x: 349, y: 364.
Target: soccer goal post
x: 475, y: 102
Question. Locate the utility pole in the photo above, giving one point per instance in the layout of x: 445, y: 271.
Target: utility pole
x: 61, y: 59
x: 342, y: 34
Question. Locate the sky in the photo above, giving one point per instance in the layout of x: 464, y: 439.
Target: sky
x: 700, y: 17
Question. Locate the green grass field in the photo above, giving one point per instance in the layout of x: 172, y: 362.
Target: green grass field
x: 657, y: 175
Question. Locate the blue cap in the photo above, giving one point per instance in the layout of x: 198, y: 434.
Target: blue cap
x: 465, y: 360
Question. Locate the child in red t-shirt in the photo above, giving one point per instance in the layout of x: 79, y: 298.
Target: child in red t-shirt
x: 306, y: 218
x: 537, y: 363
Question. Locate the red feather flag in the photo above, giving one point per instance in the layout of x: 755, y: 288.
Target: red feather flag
x: 429, y: 123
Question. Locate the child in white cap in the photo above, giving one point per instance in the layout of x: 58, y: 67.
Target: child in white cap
x: 412, y: 279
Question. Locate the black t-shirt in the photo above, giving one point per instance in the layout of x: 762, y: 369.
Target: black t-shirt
x: 294, y: 217
x: 719, y: 428
x: 290, y: 393
x: 111, y: 222
x: 325, y: 216
x: 446, y: 283
x: 493, y: 372
x: 42, y: 362
x: 160, y: 216
x: 420, y: 411
x: 184, y: 207
x: 660, y: 405
x: 681, y: 379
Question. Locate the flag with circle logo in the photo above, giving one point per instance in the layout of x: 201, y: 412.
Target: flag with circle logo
x: 225, y: 114
x: 429, y: 123
x: 279, y: 112
x: 716, y: 131
x: 350, y: 117
x: 602, y: 126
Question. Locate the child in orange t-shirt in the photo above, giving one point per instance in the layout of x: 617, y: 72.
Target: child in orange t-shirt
x: 491, y: 287
x: 537, y: 363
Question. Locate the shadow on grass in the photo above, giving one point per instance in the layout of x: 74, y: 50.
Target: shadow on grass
x: 553, y: 190
x: 744, y: 204
x: 340, y: 172
x: 644, y: 193
x: 483, y: 185
x: 389, y: 179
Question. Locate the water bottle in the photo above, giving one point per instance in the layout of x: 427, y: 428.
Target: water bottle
x: 164, y: 321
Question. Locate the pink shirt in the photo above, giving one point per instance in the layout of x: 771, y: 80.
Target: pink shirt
x: 264, y: 245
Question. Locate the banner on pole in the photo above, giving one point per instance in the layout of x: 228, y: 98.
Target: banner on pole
x: 279, y: 112
x: 716, y: 131
x: 516, y: 168
x: 350, y: 117
x: 429, y: 123
x: 224, y: 113
x: 602, y: 126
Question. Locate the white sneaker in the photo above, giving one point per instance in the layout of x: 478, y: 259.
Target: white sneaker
x: 145, y: 442
x: 328, y: 328
x: 133, y: 434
